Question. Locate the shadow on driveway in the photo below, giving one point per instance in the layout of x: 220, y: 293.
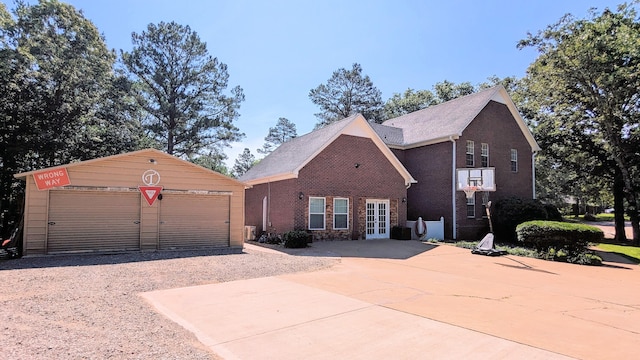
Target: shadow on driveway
x: 374, y: 249
x: 90, y: 259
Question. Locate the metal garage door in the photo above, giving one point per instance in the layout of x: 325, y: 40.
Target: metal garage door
x: 188, y: 220
x: 93, y: 221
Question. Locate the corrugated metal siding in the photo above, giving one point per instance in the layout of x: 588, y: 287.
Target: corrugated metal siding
x: 188, y: 220
x: 93, y: 221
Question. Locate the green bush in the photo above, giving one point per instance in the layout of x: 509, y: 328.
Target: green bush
x: 543, y: 235
x: 579, y: 256
x: 295, y: 239
x: 553, y: 213
x: 507, y: 213
x: 273, y: 239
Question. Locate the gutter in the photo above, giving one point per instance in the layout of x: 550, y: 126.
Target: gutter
x: 533, y: 172
x: 454, y: 220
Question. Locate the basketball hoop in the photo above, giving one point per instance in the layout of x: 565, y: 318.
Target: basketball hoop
x: 474, y: 184
x: 472, y: 180
x: 470, y: 190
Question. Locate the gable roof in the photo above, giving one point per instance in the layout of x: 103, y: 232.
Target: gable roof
x: 447, y: 121
x: 289, y: 158
x: 154, y: 153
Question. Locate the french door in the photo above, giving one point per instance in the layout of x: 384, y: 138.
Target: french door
x: 377, y: 219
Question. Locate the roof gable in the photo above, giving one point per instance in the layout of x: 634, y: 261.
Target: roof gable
x: 153, y: 154
x: 448, y: 120
x: 289, y: 158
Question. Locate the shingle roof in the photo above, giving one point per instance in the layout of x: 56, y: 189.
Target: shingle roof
x: 289, y: 156
x: 285, y: 161
x: 389, y: 134
x: 440, y: 122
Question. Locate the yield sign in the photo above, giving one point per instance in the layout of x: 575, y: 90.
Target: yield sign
x: 150, y: 193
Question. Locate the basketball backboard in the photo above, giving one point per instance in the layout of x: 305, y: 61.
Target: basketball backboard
x: 482, y: 178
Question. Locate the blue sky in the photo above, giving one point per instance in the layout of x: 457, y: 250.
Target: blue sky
x: 279, y: 50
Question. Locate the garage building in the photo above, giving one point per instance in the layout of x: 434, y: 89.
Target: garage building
x: 143, y: 200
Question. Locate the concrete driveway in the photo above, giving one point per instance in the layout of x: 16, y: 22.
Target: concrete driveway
x: 409, y: 300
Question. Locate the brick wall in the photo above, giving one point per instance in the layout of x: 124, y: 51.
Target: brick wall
x: 281, y: 206
x: 431, y: 166
x: 332, y: 173
x: 496, y: 127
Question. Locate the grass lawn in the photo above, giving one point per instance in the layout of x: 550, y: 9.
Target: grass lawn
x: 632, y: 252
x: 599, y: 217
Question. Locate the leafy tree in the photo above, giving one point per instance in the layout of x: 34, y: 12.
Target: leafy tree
x: 408, y: 102
x: 283, y: 131
x: 412, y: 100
x: 346, y: 93
x: 181, y: 89
x: 213, y: 161
x: 510, y: 83
x: 56, y: 88
x: 447, y: 90
x: 243, y: 163
x: 587, y: 78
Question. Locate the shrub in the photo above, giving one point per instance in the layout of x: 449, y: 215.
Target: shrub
x: 579, y: 256
x: 585, y: 258
x: 507, y: 213
x: 560, y: 235
x: 553, y: 213
x: 273, y: 239
x: 295, y: 239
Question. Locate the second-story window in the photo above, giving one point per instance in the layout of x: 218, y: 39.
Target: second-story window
x: 484, y: 155
x: 470, y: 160
x: 514, y: 160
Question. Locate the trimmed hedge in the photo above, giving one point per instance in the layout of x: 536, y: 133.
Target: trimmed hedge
x: 295, y: 239
x: 507, y: 213
x: 547, y: 234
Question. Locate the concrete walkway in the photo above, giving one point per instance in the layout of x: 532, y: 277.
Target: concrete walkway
x: 408, y: 300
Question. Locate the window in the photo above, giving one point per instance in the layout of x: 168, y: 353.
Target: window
x: 485, y: 201
x: 316, y: 213
x: 340, y: 213
x: 514, y: 160
x: 484, y: 155
x: 471, y: 206
x: 470, y: 160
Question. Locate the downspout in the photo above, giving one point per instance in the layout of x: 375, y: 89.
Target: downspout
x: 533, y: 172
x: 453, y: 187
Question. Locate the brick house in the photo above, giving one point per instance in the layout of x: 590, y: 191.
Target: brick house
x: 338, y: 182
x: 353, y: 179
x: 481, y: 130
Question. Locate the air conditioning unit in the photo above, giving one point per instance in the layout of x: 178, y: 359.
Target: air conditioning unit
x: 249, y: 233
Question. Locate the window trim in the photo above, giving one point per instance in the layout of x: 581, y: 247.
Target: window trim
x: 485, y: 202
x: 324, y: 212
x: 471, y: 204
x: 470, y: 154
x: 484, y: 155
x: 345, y: 213
x: 514, y: 160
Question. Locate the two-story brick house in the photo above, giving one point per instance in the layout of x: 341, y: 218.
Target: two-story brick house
x: 353, y: 179
x: 481, y: 130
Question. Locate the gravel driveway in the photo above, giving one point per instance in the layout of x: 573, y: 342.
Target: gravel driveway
x: 87, y: 306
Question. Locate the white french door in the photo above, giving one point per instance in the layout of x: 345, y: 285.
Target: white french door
x: 377, y: 219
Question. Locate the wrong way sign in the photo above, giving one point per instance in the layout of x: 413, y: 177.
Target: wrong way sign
x: 150, y: 193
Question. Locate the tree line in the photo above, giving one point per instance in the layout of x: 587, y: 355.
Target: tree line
x: 65, y: 97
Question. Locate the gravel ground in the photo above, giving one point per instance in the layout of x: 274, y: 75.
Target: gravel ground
x: 87, y: 306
